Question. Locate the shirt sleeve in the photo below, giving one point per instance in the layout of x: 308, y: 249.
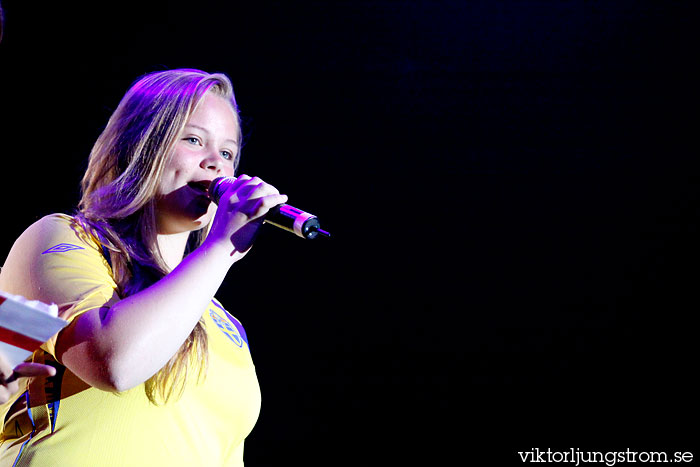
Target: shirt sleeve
x: 56, y: 261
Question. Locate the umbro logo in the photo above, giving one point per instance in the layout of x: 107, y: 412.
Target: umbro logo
x: 61, y: 247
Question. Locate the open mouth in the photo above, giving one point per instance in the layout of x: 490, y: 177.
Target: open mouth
x: 201, y: 186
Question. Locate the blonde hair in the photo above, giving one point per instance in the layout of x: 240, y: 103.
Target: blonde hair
x: 119, y: 191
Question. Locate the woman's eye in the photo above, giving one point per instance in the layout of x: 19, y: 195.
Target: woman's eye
x: 192, y: 140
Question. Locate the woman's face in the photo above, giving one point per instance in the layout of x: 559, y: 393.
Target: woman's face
x: 206, y: 149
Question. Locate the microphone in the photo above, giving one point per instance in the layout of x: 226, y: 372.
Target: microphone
x: 284, y: 216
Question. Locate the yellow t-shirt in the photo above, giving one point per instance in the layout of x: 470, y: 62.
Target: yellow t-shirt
x: 70, y: 423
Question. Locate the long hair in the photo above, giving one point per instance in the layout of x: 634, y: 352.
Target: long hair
x: 119, y: 191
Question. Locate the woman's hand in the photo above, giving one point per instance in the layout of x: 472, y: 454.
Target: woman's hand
x: 241, y: 210
x: 8, y: 377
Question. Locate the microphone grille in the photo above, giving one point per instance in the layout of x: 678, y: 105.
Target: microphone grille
x: 218, y: 186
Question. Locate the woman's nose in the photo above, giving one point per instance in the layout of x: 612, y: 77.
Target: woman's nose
x: 212, y: 162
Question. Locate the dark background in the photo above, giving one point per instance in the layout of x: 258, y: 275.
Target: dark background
x: 510, y: 186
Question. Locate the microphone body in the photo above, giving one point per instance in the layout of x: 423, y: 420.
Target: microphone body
x: 284, y: 216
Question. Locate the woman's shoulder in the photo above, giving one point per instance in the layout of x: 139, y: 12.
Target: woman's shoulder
x: 52, y: 222
x: 58, y: 232
x: 55, y: 233
x: 56, y: 243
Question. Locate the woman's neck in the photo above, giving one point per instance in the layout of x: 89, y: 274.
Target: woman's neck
x: 172, y: 247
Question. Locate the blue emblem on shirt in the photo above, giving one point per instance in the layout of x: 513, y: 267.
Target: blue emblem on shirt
x: 61, y: 247
x: 227, y: 328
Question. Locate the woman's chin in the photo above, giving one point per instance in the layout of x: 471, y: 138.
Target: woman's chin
x: 201, y: 213
x: 185, y: 222
x: 202, y: 221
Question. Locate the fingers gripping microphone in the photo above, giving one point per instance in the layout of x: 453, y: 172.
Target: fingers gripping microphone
x: 283, y: 216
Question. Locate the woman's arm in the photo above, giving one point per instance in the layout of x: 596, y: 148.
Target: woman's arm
x: 120, y: 347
